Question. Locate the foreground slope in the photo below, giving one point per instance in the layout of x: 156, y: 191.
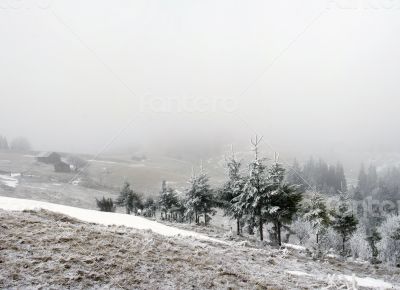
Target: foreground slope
x: 95, y: 216
x: 43, y: 249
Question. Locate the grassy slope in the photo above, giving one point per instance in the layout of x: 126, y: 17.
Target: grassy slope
x: 43, y: 249
x: 103, y: 176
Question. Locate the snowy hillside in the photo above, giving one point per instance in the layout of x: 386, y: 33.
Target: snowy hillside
x: 57, y: 250
x: 104, y: 218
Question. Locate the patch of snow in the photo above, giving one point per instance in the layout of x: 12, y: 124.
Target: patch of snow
x: 333, y: 256
x: 298, y: 273
x: 76, y: 181
x: 9, y: 181
x: 369, y: 282
x: 31, y: 175
x: 102, y: 161
x: 15, y: 174
x: 295, y: 247
x: 99, y: 217
x: 354, y: 280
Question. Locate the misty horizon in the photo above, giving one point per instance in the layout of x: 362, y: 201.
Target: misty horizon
x: 315, y: 79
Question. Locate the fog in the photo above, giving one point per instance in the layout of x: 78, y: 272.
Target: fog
x: 314, y: 78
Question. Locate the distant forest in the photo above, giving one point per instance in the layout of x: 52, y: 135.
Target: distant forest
x: 331, y: 180
x: 318, y: 175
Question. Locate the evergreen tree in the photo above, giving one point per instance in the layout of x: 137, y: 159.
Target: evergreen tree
x: 199, y: 197
x: 255, y: 192
x: 316, y: 213
x: 123, y: 198
x: 167, y: 200
x: 283, y: 200
x: 231, y: 190
x: 343, y: 221
x: 136, y: 201
x: 129, y: 199
x: 149, y: 207
x: 105, y: 204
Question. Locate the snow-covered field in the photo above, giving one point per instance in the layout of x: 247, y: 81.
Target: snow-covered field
x: 104, y: 218
x: 9, y: 181
x: 43, y: 249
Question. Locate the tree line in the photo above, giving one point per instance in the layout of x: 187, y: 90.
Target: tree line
x: 323, y: 177
x: 258, y: 197
x: 17, y: 144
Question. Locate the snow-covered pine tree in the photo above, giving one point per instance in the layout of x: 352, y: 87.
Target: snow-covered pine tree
x: 167, y: 200
x: 199, y: 197
x: 125, y: 198
x: 129, y: 199
x: 231, y: 190
x: 136, y: 202
x: 254, y: 196
x: 343, y: 221
x: 206, y: 196
x: 283, y: 200
x: 192, y: 200
x: 316, y: 213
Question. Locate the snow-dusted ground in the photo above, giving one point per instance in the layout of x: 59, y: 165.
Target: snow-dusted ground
x: 9, y: 181
x: 104, y: 218
x: 46, y: 249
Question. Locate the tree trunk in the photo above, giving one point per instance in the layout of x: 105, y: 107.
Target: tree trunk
x: 344, y: 239
x: 205, y: 219
x: 251, y: 226
x: 261, y: 229
x: 238, y: 226
x: 317, y: 238
x: 278, y: 228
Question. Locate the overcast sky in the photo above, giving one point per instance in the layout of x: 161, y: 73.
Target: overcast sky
x: 308, y: 75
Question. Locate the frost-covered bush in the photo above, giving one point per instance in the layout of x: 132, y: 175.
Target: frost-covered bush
x: 303, y: 229
x: 389, y: 246
x: 330, y: 240
x: 359, y: 246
